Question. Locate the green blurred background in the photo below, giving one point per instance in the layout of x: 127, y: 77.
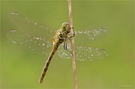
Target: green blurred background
x: 20, y: 69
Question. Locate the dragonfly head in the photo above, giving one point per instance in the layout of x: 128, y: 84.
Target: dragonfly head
x: 66, y: 27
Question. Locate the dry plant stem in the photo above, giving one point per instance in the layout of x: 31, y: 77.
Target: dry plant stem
x: 72, y: 45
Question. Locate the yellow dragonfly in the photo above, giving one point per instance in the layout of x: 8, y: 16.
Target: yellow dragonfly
x: 40, y: 39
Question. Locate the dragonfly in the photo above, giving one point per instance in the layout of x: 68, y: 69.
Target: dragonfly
x: 40, y: 39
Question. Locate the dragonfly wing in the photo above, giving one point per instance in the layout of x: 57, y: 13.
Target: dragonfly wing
x: 28, y: 26
x: 84, y: 53
x: 90, y: 35
x: 88, y: 53
x: 29, y: 35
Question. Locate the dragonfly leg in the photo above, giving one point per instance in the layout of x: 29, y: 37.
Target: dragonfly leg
x: 66, y: 46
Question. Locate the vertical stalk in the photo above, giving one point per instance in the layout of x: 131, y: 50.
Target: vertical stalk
x: 72, y: 45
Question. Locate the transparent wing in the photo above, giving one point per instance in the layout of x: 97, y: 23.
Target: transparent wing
x: 30, y: 27
x: 30, y: 35
x: 90, y: 35
x: 89, y: 53
x: 84, y: 53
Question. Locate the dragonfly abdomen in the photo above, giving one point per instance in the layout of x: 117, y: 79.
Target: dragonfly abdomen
x: 55, y: 47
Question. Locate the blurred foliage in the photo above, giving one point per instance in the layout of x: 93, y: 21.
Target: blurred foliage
x: 20, y: 69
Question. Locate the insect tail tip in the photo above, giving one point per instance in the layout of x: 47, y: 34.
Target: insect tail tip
x: 40, y: 81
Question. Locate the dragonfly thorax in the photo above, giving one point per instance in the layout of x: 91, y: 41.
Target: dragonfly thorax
x: 62, y: 33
